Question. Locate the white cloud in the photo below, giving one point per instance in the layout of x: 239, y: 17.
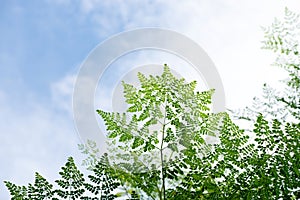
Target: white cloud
x: 228, y: 30
x: 88, y: 5
x: 60, y: 2
x: 62, y: 91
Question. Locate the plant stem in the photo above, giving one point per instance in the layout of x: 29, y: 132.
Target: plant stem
x: 163, y: 193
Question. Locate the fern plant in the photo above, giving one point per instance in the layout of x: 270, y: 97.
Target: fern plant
x: 164, y: 119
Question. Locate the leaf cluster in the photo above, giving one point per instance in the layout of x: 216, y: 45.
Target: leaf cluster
x: 71, y: 185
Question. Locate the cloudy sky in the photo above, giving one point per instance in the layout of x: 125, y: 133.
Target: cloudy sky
x: 44, y: 42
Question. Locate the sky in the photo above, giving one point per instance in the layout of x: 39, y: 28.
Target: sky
x: 44, y: 42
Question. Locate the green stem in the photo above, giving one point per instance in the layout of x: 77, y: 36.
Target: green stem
x: 163, y: 189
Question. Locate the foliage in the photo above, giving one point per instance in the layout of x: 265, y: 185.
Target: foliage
x: 165, y: 117
x: 211, y: 176
x: 72, y: 184
x: 104, y: 180
x: 91, y: 150
x: 283, y: 39
x: 231, y: 168
x: 41, y: 189
x: 281, y: 149
x: 272, y: 170
x: 16, y: 192
x: 275, y: 163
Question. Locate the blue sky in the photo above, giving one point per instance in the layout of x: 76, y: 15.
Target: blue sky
x: 42, y: 38
x: 43, y: 43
